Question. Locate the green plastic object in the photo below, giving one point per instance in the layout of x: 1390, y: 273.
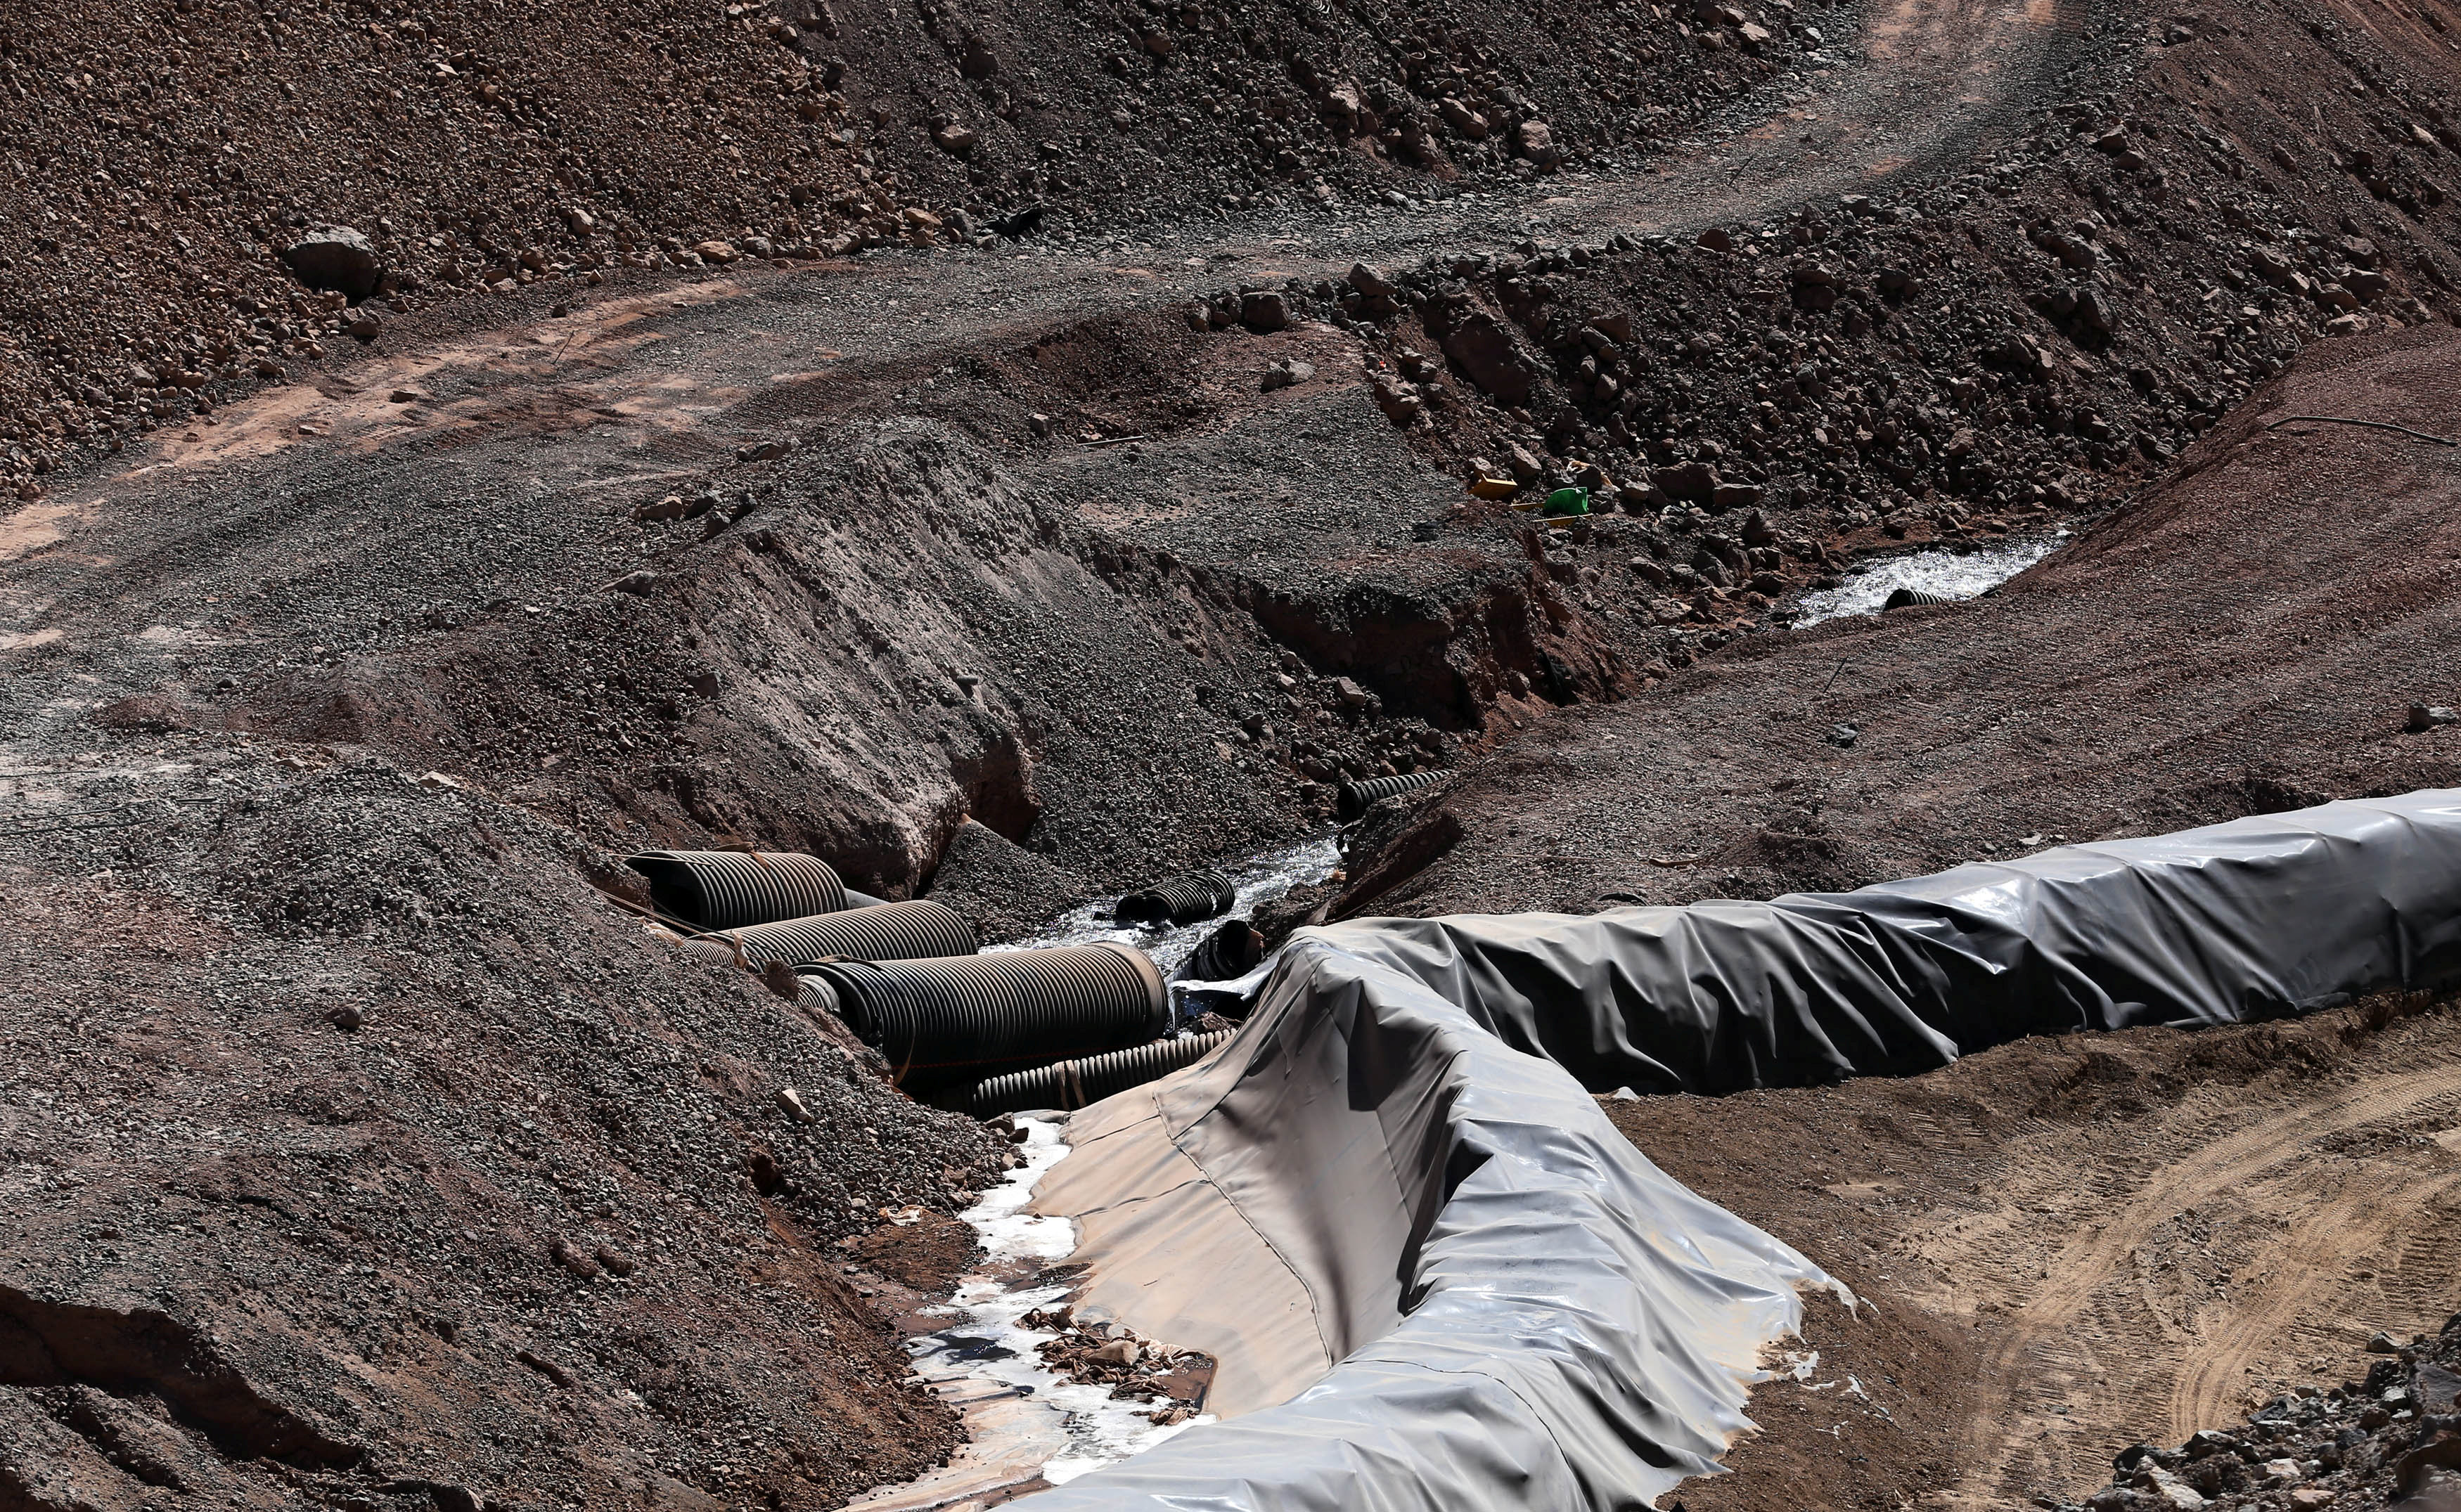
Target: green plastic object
x: 1568, y: 502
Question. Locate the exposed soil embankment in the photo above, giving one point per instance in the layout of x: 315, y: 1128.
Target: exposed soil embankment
x: 357, y: 1151
x: 2246, y: 638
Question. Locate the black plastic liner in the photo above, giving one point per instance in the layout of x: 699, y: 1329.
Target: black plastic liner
x: 725, y: 889
x: 1507, y: 1305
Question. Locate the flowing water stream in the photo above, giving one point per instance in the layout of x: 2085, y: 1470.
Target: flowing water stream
x: 1259, y: 879
x: 1950, y: 574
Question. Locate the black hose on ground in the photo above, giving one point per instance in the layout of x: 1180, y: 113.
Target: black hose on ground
x: 1076, y: 1083
x: 1907, y: 598
x: 885, y: 931
x: 1181, y: 899
x: 725, y: 889
x: 1355, y: 798
x: 957, y: 1020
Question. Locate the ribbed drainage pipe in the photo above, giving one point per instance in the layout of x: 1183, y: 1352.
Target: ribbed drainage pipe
x: 1181, y: 899
x: 961, y: 1019
x: 1355, y: 799
x: 725, y: 889
x: 886, y: 931
x: 1907, y: 598
x: 1074, y: 1083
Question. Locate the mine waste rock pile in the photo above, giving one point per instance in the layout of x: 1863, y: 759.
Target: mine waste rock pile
x: 907, y: 986
x: 2393, y: 1439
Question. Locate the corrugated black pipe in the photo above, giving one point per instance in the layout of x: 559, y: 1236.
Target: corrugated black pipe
x: 725, y: 889
x: 957, y: 1020
x: 1907, y: 598
x: 1230, y: 952
x: 1182, y: 900
x: 885, y: 931
x: 1074, y: 1083
x: 1355, y: 798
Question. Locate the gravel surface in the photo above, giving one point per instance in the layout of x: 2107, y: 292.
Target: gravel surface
x: 373, y: 1157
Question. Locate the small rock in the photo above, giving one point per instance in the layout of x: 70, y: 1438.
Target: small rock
x: 1369, y: 282
x: 1119, y: 1351
x: 347, y: 1019
x: 2383, y: 1343
x: 1264, y: 312
x: 1352, y: 695
x: 640, y: 584
x: 1534, y: 141
x: 791, y: 1102
x: 336, y: 258
x: 1717, y: 239
x: 2308, y: 1499
x: 2169, y: 1491
x: 1283, y: 375
x: 2422, y: 718
x: 405, y: 397
x: 956, y: 140
x: 716, y: 251
x: 1843, y: 735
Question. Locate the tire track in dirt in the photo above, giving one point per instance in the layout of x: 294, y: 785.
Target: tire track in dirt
x: 2206, y: 1389
x: 2069, y: 1244
x: 2090, y: 1262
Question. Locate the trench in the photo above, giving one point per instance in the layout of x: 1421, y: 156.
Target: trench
x: 1259, y: 879
x: 1027, y: 1426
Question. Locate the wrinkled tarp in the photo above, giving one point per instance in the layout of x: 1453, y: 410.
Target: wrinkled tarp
x: 1466, y: 1289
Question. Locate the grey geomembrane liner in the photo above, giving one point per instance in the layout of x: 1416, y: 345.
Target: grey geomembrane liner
x: 1437, y: 1276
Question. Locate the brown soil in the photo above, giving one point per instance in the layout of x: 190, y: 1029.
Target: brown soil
x: 2062, y: 1247
x: 921, y: 1250
x: 371, y: 1158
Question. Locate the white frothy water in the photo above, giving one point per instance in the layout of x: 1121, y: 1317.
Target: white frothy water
x: 1260, y: 879
x: 1090, y: 1427
x: 1950, y: 574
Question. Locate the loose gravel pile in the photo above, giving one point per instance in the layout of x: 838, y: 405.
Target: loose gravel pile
x: 2391, y: 1439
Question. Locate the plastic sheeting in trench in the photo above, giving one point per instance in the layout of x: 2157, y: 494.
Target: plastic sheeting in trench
x: 1436, y: 1277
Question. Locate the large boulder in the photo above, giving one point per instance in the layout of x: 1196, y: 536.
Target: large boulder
x: 1485, y: 352
x: 336, y: 258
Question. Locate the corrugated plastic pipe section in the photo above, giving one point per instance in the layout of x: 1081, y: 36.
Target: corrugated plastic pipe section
x: 724, y: 889
x: 886, y: 931
x: 1072, y: 1084
x: 958, y: 1020
x: 1182, y: 900
x: 1355, y: 798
